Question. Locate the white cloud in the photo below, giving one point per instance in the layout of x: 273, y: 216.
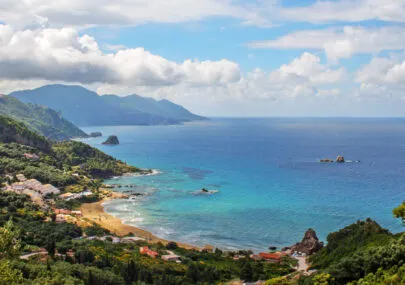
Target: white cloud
x: 340, y: 43
x: 347, y: 11
x: 61, y: 54
x: 382, y: 70
x: 383, y: 77
x: 260, y: 13
x: 87, y: 13
x: 304, y: 76
x: 307, y: 68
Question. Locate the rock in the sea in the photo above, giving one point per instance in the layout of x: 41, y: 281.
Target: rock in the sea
x: 309, y: 244
x: 112, y: 140
x: 340, y: 159
x: 96, y: 134
x: 326, y: 160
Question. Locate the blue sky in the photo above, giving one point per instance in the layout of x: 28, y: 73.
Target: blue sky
x: 216, y: 57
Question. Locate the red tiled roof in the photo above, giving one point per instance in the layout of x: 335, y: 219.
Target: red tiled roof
x: 146, y: 250
x: 274, y: 256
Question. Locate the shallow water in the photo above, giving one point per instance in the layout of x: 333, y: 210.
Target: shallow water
x: 271, y: 185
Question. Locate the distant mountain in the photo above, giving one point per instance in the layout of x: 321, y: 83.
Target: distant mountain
x: 12, y: 131
x: 163, y: 108
x: 84, y: 107
x: 45, y: 121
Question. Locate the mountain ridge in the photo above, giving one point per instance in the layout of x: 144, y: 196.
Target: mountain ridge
x: 85, y: 107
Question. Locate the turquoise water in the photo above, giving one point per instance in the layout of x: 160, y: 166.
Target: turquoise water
x: 271, y: 185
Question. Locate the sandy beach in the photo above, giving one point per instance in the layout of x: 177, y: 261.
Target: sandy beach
x: 94, y: 212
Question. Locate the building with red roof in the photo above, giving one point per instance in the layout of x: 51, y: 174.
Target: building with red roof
x: 144, y: 250
x: 272, y: 257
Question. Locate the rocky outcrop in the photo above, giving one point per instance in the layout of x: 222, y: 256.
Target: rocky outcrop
x: 340, y: 159
x: 96, y: 134
x: 309, y: 244
x: 112, y: 140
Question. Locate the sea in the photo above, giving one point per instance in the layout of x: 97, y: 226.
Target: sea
x: 270, y: 184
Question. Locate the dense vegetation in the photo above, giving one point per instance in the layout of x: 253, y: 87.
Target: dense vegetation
x: 361, y: 251
x: 45, y: 121
x: 60, y: 164
x: 91, y: 160
x: 14, y: 131
x: 24, y: 229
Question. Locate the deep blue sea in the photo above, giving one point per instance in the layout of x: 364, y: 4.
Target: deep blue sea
x: 271, y: 186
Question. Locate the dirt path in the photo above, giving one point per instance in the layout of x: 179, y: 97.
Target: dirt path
x: 303, y: 264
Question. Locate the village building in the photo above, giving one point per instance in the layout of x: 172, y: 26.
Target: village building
x: 144, y: 250
x: 66, y: 195
x: 21, y: 177
x: 32, y: 184
x: 61, y: 218
x: 255, y: 257
x: 70, y: 196
x: 272, y: 257
x: 171, y: 257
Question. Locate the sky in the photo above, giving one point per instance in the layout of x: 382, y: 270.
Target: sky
x: 215, y: 57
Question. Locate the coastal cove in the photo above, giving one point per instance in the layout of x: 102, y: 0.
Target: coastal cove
x: 271, y: 185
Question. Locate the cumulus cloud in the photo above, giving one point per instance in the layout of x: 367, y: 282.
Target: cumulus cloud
x: 307, y: 68
x: 382, y: 70
x: 382, y: 76
x: 340, y: 43
x: 62, y: 54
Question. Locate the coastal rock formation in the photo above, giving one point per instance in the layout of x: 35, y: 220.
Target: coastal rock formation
x: 95, y: 134
x: 309, y: 244
x: 112, y: 140
x: 340, y: 159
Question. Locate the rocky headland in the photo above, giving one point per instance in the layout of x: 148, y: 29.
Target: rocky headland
x: 112, y: 140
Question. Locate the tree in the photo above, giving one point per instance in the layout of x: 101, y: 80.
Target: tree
x: 322, y: 279
x: 10, y: 242
x: 246, y: 272
x: 51, y: 246
x: 278, y: 281
x: 95, y: 185
x: 9, y: 275
x: 171, y: 245
x: 399, y: 212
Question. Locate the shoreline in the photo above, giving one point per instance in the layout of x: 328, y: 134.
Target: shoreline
x: 95, y: 212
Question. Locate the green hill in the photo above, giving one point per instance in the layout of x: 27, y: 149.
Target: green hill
x: 57, y: 161
x: 14, y: 131
x: 45, y: 121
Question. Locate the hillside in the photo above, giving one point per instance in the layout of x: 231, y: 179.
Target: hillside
x: 56, y: 161
x: 45, y: 121
x: 84, y: 107
x: 14, y: 131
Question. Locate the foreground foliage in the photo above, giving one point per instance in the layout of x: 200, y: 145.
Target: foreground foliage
x: 25, y: 227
